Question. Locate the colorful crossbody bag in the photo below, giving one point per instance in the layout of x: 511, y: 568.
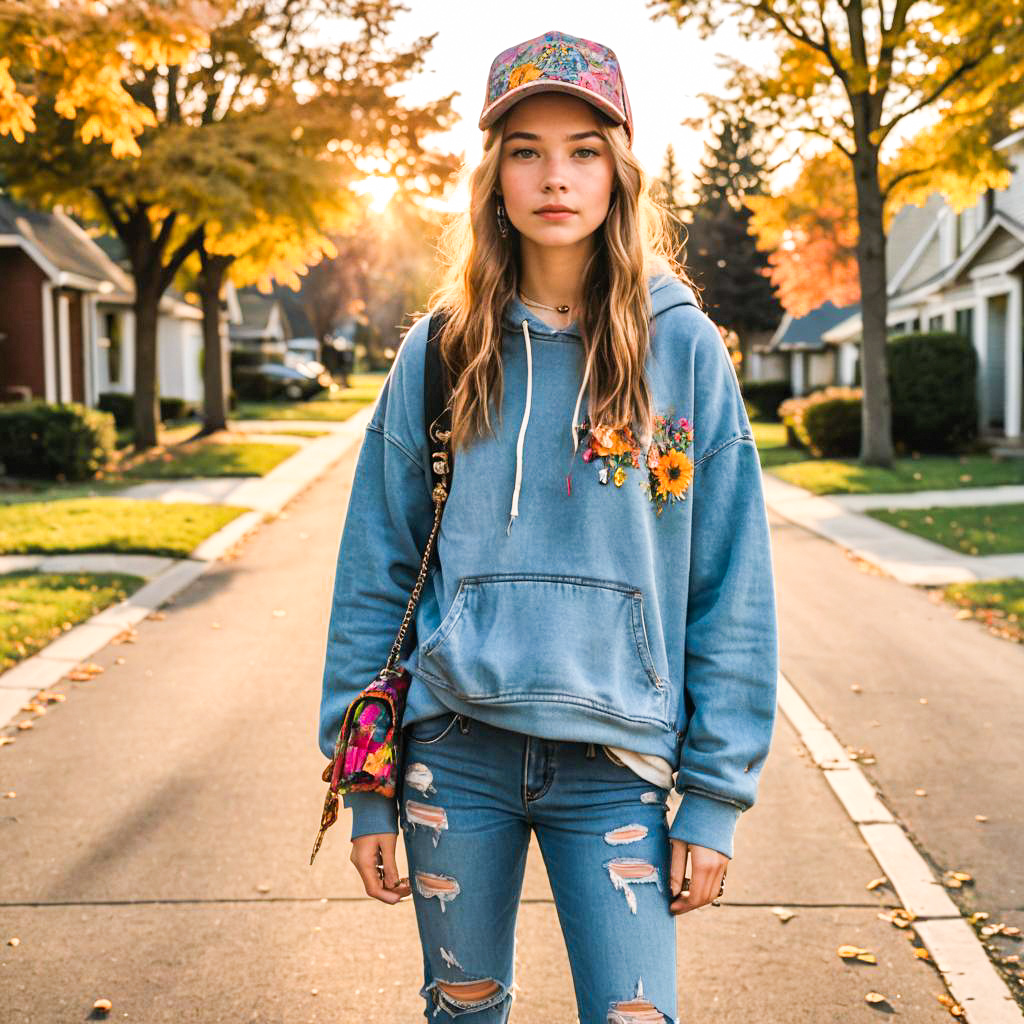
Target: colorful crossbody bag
x: 368, y: 748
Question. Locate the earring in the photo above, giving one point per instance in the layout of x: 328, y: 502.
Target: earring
x: 502, y: 218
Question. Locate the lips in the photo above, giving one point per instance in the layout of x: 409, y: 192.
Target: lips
x: 554, y: 209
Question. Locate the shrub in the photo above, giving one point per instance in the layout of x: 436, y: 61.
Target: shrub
x: 763, y: 397
x: 932, y: 382
x: 793, y: 412
x: 123, y: 408
x: 55, y: 441
x: 833, y: 427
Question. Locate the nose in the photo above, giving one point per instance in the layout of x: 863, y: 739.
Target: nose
x: 554, y: 176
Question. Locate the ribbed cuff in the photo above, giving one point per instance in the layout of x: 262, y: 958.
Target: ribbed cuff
x: 372, y: 813
x: 705, y: 821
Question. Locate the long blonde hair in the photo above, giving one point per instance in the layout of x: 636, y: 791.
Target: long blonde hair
x: 481, y: 277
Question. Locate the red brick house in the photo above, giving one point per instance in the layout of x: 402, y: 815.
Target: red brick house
x: 66, y: 323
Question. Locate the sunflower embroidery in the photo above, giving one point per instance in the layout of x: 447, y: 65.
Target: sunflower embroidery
x: 669, y: 469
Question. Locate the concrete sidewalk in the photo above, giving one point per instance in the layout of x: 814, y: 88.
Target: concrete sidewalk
x: 168, y: 871
x: 903, y: 555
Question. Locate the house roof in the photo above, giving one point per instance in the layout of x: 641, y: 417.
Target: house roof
x: 804, y: 333
x: 61, y: 249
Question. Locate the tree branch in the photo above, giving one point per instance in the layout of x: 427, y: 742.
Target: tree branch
x: 179, y: 256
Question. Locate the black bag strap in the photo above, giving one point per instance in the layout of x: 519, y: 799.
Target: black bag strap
x: 437, y: 391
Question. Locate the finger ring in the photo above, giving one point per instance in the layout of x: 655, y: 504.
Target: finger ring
x: 715, y: 903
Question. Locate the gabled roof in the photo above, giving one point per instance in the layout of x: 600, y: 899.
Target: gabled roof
x: 59, y: 247
x: 804, y: 333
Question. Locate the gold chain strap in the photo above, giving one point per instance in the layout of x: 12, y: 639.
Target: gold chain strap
x: 439, y: 495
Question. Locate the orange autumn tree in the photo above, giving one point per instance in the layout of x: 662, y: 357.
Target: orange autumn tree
x: 810, y: 232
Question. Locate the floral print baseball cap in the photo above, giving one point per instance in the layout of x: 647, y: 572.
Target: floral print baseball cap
x: 556, y: 62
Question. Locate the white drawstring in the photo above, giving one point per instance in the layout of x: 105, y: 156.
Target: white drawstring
x: 579, y: 399
x: 522, y: 429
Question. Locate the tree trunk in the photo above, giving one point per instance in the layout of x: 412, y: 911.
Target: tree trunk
x: 215, y: 352
x: 876, y: 420
x: 146, y: 413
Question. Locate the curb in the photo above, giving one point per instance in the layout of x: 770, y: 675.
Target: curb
x: 904, y: 556
x: 21, y: 683
x: 954, y: 947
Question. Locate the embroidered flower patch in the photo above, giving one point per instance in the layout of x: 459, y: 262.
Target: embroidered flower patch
x: 669, y: 469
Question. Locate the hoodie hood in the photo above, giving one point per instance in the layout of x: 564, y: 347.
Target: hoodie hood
x: 666, y: 291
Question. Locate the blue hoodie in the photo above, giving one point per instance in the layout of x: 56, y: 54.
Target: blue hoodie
x: 571, y: 610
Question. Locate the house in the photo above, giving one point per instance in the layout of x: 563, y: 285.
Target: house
x: 963, y: 272
x: 798, y: 352
x: 256, y: 322
x: 66, y: 321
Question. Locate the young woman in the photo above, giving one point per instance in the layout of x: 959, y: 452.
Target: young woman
x: 602, y: 616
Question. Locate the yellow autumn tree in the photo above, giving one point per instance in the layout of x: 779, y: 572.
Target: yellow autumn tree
x: 76, y: 56
x: 910, y: 95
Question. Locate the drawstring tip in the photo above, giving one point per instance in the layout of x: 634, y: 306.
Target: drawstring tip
x: 508, y: 529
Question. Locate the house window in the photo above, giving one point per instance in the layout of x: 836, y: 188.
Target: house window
x: 965, y: 322
x: 935, y: 323
x: 112, y: 342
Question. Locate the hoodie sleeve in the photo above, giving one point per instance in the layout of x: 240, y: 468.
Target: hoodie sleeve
x: 731, y: 652
x: 389, y: 517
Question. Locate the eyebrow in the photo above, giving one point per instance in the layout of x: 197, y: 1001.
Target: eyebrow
x: 531, y: 137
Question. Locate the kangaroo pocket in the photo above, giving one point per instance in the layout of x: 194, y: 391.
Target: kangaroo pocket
x: 514, y: 638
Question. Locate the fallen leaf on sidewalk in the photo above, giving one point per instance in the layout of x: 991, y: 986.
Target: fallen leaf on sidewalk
x: 81, y: 673
x: 978, y: 916
x: 25, y: 725
x: 126, y: 637
x: 783, y: 914
x: 922, y: 700
x: 4, y: 740
x: 981, y: 818
x: 921, y: 953
x: 865, y: 956
x: 263, y: 887
x: 956, y: 879
x: 103, y: 1006
x: 51, y: 698
x: 955, y: 1009
x: 876, y: 999
x: 876, y: 882
x: 157, y: 616
x: 856, y: 687
x: 279, y: 613
x: 920, y: 792
x: 14, y: 941
x: 963, y: 613
x: 10, y: 795
x: 898, y: 916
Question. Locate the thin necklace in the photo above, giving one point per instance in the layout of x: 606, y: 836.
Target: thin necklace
x: 556, y: 309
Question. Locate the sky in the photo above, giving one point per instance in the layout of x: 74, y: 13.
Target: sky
x: 664, y: 67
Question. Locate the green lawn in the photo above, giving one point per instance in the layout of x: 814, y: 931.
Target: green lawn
x: 109, y: 524
x: 250, y: 458
x: 971, y: 530
x: 35, y: 608
x: 334, y: 406
x: 290, y: 431
x: 998, y: 603
x: 847, y: 476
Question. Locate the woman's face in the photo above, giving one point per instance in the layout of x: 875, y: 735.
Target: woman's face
x: 553, y: 155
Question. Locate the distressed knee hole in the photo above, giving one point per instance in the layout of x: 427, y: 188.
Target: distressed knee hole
x: 428, y: 815
x: 635, y: 1011
x: 625, y: 834
x: 469, y: 991
x: 627, y: 872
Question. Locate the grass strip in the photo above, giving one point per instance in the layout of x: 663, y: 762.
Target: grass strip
x: 999, y: 604
x: 37, y: 607
x: 968, y: 529
x: 250, y: 458
x: 118, y: 525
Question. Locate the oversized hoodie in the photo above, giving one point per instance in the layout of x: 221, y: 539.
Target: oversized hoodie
x: 564, y: 605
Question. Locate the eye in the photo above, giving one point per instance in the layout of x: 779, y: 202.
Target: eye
x: 587, y: 150
x: 519, y: 152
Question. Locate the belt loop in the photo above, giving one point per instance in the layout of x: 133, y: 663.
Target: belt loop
x: 591, y: 752
x: 463, y: 723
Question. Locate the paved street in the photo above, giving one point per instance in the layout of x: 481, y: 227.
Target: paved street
x: 156, y: 853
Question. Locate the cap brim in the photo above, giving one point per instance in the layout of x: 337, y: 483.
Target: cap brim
x: 513, y: 96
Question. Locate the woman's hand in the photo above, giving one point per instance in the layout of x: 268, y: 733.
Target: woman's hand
x: 706, y: 878
x: 374, y: 858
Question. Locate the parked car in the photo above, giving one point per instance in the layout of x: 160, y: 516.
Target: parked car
x: 265, y: 381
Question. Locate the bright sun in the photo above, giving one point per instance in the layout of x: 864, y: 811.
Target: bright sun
x: 379, y: 189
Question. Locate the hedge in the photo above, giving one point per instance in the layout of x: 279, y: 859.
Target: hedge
x: 55, y: 441
x: 834, y: 427
x: 123, y: 408
x: 763, y: 397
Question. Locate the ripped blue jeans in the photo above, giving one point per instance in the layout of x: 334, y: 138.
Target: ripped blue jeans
x: 469, y: 794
